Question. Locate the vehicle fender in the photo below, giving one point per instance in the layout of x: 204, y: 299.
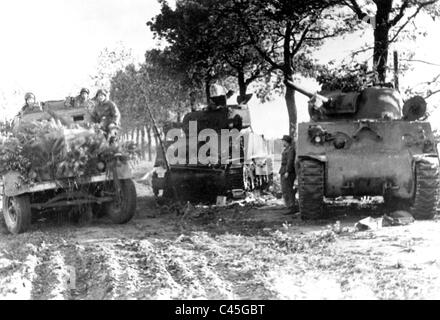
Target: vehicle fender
x: 320, y: 158
x: 13, y: 184
x: 425, y: 157
x: 124, y: 171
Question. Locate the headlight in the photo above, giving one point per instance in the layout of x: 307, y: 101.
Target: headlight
x: 100, y: 166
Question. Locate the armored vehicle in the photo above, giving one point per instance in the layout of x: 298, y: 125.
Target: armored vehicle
x: 89, y: 185
x: 223, y: 173
x: 367, y: 143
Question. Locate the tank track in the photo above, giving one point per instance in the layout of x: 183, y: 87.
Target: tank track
x: 427, y: 189
x: 311, y: 189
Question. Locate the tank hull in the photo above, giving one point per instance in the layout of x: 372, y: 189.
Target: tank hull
x: 367, y: 157
x: 196, y: 183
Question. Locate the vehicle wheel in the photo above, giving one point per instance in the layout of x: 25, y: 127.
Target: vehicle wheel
x: 311, y: 189
x: 17, y: 213
x: 121, y: 212
x: 427, y: 189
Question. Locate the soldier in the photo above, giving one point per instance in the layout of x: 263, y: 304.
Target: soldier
x: 287, y: 173
x: 218, y: 96
x: 30, y: 103
x: 83, y: 101
x: 106, y: 113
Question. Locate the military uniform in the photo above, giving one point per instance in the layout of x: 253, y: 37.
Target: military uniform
x: 106, y: 112
x: 79, y: 102
x: 288, y: 166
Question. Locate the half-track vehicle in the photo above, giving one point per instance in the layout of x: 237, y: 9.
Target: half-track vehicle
x: 101, y: 186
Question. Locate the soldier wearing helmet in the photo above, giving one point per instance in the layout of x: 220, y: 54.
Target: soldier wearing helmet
x: 30, y: 103
x: 218, y: 96
x: 83, y: 101
x: 106, y: 113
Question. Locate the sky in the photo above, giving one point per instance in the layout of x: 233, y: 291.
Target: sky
x: 51, y: 47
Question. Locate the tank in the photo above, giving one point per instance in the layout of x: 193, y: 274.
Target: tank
x: 367, y: 143
x: 226, y: 175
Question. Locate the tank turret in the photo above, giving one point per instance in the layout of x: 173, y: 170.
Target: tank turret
x: 220, y: 115
x: 377, y: 102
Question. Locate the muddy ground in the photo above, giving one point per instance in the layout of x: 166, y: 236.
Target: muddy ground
x: 253, y: 251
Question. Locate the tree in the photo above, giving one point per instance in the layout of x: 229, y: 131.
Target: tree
x: 209, y: 42
x: 250, y: 38
x: 390, y: 19
x: 158, y: 83
x: 110, y: 61
x: 283, y: 32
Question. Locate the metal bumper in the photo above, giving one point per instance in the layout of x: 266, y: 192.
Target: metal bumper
x: 13, y: 186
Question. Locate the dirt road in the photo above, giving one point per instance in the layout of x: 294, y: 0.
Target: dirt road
x: 234, y: 253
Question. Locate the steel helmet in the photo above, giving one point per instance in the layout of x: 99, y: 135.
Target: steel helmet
x: 29, y: 95
x: 84, y: 90
x: 101, y: 91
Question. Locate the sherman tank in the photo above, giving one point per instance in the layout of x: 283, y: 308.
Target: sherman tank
x: 367, y: 143
x: 192, y: 178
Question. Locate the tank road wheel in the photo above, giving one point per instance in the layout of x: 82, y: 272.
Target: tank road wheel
x: 123, y: 208
x: 17, y: 213
x: 427, y: 189
x: 311, y: 189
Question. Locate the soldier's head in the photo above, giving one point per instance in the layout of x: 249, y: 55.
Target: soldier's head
x: 29, y: 98
x: 218, y: 95
x: 101, y: 95
x: 287, y: 141
x: 84, y: 93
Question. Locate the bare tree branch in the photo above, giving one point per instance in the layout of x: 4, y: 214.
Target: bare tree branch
x: 255, y: 43
x: 410, y: 18
x: 400, y: 15
x: 421, y: 61
x: 356, y: 8
x: 297, y: 47
x: 355, y: 53
x: 431, y: 93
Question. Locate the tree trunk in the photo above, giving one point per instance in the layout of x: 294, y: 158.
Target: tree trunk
x: 150, y: 158
x: 288, y: 75
x: 242, y: 83
x: 207, y: 91
x: 156, y: 141
x: 381, y: 38
x: 138, y: 136
x: 143, y: 151
x: 291, y: 107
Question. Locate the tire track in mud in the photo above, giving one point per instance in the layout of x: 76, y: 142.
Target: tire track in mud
x: 31, y: 268
x: 16, y: 278
x: 45, y: 284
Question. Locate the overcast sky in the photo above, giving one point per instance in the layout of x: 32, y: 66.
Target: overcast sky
x: 50, y: 47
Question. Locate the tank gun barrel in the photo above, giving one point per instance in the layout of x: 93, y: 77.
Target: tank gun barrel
x: 306, y: 92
